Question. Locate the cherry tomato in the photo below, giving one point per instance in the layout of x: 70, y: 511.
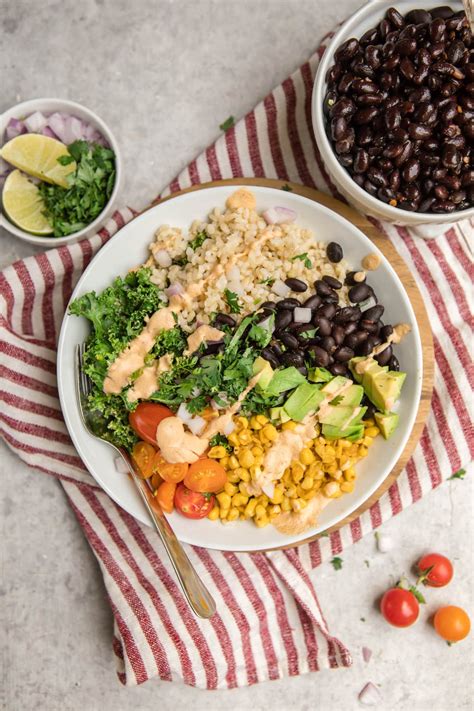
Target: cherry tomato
x: 206, y: 475
x: 452, y: 623
x: 399, y: 607
x: 435, y: 570
x: 146, y: 418
x: 144, y: 454
x: 193, y: 504
x: 169, y: 472
x: 164, y: 496
x: 155, y: 480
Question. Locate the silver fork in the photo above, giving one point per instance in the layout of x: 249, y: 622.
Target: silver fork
x: 196, y: 593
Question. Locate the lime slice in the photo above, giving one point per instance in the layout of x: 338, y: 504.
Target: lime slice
x: 23, y: 204
x: 38, y: 155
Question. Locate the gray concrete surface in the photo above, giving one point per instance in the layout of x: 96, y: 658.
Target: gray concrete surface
x: 165, y: 74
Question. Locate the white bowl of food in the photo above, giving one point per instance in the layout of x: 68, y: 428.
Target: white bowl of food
x: 402, y: 186
x: 259, y: 412
x: 47, y: 203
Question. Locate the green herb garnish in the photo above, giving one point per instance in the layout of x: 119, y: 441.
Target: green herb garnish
x: 460, y: 474
x: 232, y: 301
x: 228, y: 123
x: 90, y: 187
x: 336, y: 563
x: 220, y: 440
x: 287, y: 188
x: 303, y: 258
x: 198, y: 240
x: 267, y: 282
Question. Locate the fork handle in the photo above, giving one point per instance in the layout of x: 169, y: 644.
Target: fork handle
x: 196, y: 593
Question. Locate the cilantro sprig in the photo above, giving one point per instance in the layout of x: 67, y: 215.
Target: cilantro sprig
x: 337, y: 563
x: 90, y: 187
x: 198, y: 240
x: 232, y: 301
x: 303, y: 258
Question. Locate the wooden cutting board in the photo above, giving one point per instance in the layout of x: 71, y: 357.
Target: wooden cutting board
x: 414, y: 295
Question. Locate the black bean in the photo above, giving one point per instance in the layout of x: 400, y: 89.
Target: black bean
x: 276, y: 348
x: 285, y: 304
x: 393, y: 363
x: 371, y: 409
x: 411, y: 170
x: 323, y: 325
x: 331, y: 298
x: 349, y: 327
x: 296, y: 284
x: 334, y: 252
x: 359, y: 293
x: 418, y: 17
x: 270, y: 356
x: 369, y: 326
x: 289, y: 340
x: 383, y: 357
x: 343, y: 107
x: 301, y: 328
x: 319, y: 355
x: 268, y: 305
x: 224, y: 319
x: 283, y: 319
x: 313, y: 302
x: 353, y: 340
x: 374, y: 313
x: 328, y: 343
x: 332, y: 281
x: 292, y: 358
x: 338, y: 333
x: 343, y: 354
x: 339, y: 369
x: 347, y: 49
x: 395, y: 18
x: 327, y: 310
x: 386, y: 331
x: 348, y: 313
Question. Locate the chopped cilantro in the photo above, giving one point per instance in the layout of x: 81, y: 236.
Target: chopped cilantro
x: 180, y: 261
x: 267, y: 282
x: 336, y: 563
x: 303, y: 258
x: 287, y: 188
x: 232, y: 301
x: 220, y: 440
x: 90, y: 187
x: 460, y: 474
x: 228, y: 123
x: 198, y: 240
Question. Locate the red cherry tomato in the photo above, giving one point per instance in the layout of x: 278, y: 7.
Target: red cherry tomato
x: 192, y: 504
x: 435, y: 570
x: 399, y: 607
x: 452, y: 623
x: 146, y: 418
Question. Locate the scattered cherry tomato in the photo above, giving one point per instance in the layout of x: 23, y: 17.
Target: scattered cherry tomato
x: 155, y: 480
x: 452, y: 623
x: 206, y: 475
x: 164, y: 496
x: 193, y: 504
x: 435, y: 570
x: 145, y: 419
x: 143, y: 455
x: 169, y: 472
x: 399, y: 607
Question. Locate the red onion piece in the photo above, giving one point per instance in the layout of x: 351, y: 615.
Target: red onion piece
x: 366, y: 654
x: 278, y: 215
x: 369, y: 695
x: 302, y: 315
x: 174, y: 290
x: 183, y: 413
x: 14, y: 128
x: 280, y: 288
x: 35, y: 122
x: 48, y: 132
x: 57, y: 125
x: 269, y: 490
x: 196, y: 424
x: 367, y: 304
x: 163, y: 258
x: 229, y: 428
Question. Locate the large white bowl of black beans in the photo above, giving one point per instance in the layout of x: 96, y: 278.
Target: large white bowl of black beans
x: 393, y: 112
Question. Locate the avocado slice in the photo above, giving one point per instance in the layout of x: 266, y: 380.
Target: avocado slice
x: 306, y: 398
x: 350, y: 397
x: 278, y: 414
x: 387, y: 423
x: 372, y: 367
x: 351, y: 433
x: 284, y: 380
x: 341, y: 417
x: 334, y: 385
x: 383, y: 389
x: 260, y: 365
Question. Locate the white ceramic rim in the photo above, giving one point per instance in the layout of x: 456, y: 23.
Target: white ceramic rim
x: 85, y: 443
x: 66, y: 106
x: 350, y: 29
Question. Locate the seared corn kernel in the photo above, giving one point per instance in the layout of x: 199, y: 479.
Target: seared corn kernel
x: 233, y: 439
x: 233, y: 514
x: 255, y: 473
x: 307, y: 483
x: 233, y: 462
x: 223, y: 514
x: 243, y: 474
x: 223, y: 499
x: 347, y: 486
x: 345, y: 444
x: 217, y: 452
x: 337, y: 474
x: 306, y: 456
x: 242, y: 422
x: 277, y: 495
x: 297, y: 474
x: 224, y: 461
x: 250, y: 508
x: 331, y: 489
x: 298, y: 505
x: 260, y: 511
x: 262, y: 420
x: 372, y: 431
x: 291, y: 492
x: 367, y: 441
x: 257, y: 451
x: 288, y: 426
x: 274, y: 510
x: 230, y: 489
x: 262, y: 521
x: 363, y: 451
x: 243, y: 488
x: 263, y: 499
x: 255, y: 424
x: 270, y: 432
x: 245, y: 437
x: 285, y: 504
x: 369, y: 422
x: 239, y: 500
x: 213, y: 514
x: 246, y: 458
x: 233, y: 477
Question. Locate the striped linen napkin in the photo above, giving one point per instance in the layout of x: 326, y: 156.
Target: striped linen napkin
x: 269, y: 623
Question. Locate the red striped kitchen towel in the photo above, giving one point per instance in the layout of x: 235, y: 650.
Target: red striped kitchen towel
x: 269, y: 623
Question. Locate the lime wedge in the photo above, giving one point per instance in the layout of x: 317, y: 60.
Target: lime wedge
x: 38, y: 155
x: 23, y: 204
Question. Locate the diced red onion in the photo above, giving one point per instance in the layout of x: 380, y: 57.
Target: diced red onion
x: 36, y: 122
x: 183, y: 413
x: 370, y: 695
x: 75, y: 129
x: 234, y: 274
x: 236, y: 287
x: 280, y: 288
x: 278, y: 215
x: 57, y: 125
x: 366, y: 654
x: 302, y: 315
x: 229, y: 427
x: 269, y: 490
x: 15, y: 128
x: 367, y: 304
x: 120, y: 465
x: 48, y: 132
x: 196, y: 424
x: 163, y: 258
x: 174, y: 290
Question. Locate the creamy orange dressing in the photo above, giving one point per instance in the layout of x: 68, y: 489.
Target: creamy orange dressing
x: 133, y: 357
x: 293, y: 523
x: 203, y: 334
x: 219, y: 424
x: 146, y: 384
